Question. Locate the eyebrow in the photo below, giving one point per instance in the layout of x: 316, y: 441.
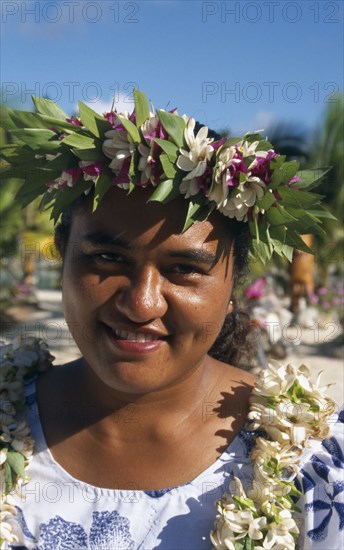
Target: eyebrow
x: 101, y: 238
x: 201, y: 256
x: 197, y: 255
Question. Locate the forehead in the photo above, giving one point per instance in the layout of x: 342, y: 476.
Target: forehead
x: 132, y: 219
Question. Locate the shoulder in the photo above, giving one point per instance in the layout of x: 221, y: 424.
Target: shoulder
x: 232, y: 388
x: 233, y: 375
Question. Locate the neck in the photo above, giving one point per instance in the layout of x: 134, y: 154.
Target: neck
x: 179, y: 400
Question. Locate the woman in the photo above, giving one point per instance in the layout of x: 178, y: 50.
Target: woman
x: 135, y: 441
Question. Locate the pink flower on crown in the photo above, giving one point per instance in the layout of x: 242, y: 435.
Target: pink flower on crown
x: 294, y: 179
x: 74, y: 120
x: 122, y: 179
x: 260, y: 167
x: 68, y: 178
x: 91, y: 170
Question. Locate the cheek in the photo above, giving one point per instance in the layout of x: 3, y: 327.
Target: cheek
x: 204, y: 312
x: 83, y: 292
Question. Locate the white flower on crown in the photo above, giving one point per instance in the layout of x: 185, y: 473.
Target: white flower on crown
x: 230, y: 201
x: 245, y: 197
x: 196, y: 159
x: 146, y: 160
x: 220, y: 189
x: 235, y: 202
x: 117, y: 147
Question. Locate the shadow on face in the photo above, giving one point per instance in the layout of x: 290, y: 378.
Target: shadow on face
x: 130, y: 216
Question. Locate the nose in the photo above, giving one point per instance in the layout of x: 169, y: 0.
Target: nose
x: 141, y: 300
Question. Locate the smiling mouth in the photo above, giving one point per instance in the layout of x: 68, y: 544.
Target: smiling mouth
x: 136, y: 342
x: 135, y: 336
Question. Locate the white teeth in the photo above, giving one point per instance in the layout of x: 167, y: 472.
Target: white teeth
x: 135, y: 336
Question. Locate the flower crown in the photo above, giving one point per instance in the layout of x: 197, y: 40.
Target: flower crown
x: 243, y: 178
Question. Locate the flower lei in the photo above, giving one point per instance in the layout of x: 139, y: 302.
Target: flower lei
x: 290, y: 410
x: 285, y: 404
x: 62, y: 158
x: 18, y: 361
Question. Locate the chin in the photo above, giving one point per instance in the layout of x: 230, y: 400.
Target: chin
x: 130, y: 378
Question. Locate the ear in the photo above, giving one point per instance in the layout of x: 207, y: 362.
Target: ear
x: 230, y: 307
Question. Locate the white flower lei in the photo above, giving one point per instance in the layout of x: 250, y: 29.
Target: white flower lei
x: 285, y: 404
x: 290, y: 409
x: 22, y: 359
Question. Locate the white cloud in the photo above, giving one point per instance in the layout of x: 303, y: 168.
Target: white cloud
x: 263, y: 120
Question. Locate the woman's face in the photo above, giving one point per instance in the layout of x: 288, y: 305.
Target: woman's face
x: 144, y: 301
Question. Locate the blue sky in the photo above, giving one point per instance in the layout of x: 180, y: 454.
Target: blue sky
x: 236, y: 64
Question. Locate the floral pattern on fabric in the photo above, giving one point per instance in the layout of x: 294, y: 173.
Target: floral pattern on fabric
x: 327, y: 504
x: 108, y: 530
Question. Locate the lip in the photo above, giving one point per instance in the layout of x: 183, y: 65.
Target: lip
x: 143, y: 340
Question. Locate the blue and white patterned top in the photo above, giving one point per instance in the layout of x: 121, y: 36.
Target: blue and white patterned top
x: 58, y: 512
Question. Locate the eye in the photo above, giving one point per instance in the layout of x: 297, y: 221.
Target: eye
x: 110, y: 257
x: 185, y: 269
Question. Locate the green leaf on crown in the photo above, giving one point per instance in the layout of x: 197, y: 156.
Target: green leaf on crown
x: 17, y: 153
x: 321, y: 212
x: 131, y: 129
x: 141, y: 108
x: 250, y: 138
x: 299, y: 199
x: 26, y: 195
x: 278, y: 216
x: 6, y: 121
x: 277, y: 162
x: 49, y: 108
x: 198, y: 210
x: 174, y: 125
x: 167, y: 166
x: 282, y: 172
x: 68, y: 195
x: 17, y: 462
x: 278, y: 236
x: 293, y: 239
x: 229, y: 143
x: 26, y: 119
x: 166, y: 191
x: 36, y: 180
x: 260, y: 251
x: 134, y: 173
x: 62, y: 125
x: 79, y: 141
x: 264, y: 145
x: 171, y: 149
x: 266, y: 201
x: 9, y: 478
x: 306, y: 224
x: 93, y: 154
x: 311, y: 178
x: 36, y: 138
x: 102, y: 185
x: 95, y: 123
